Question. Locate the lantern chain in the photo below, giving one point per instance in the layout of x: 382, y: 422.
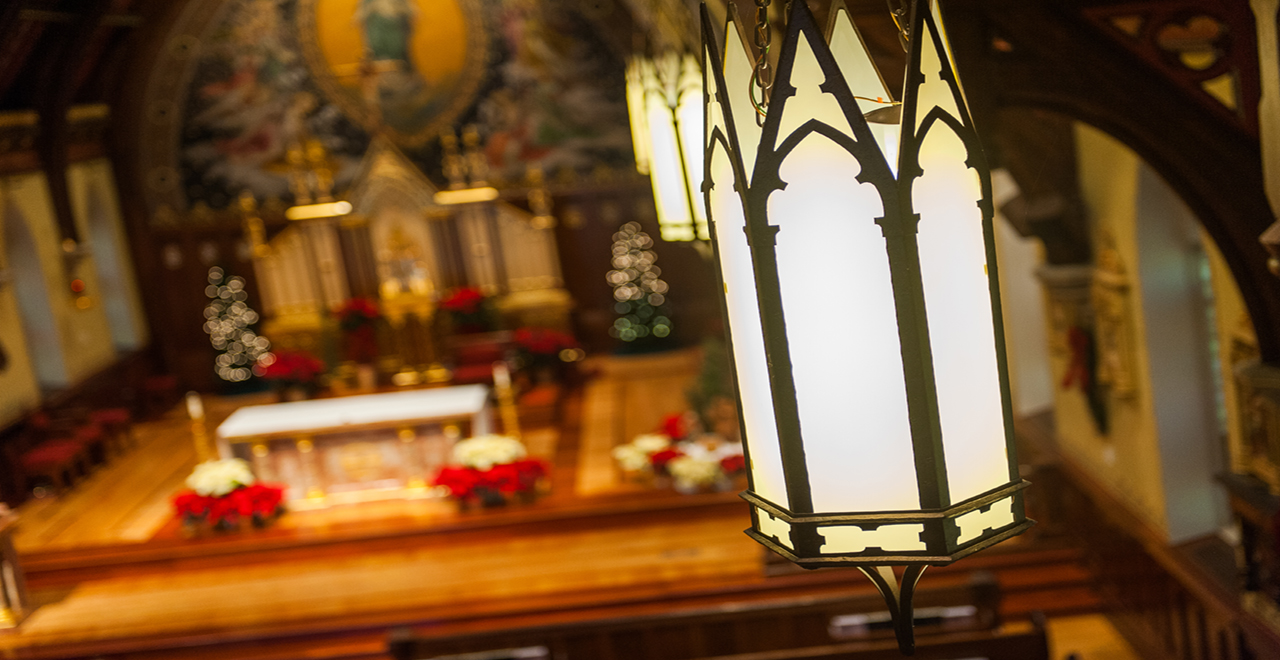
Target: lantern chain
x: 763, y: 76
x: 898, y: 10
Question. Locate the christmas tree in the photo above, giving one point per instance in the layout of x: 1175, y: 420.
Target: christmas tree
x: 229, y: 322
x: 639, y: 292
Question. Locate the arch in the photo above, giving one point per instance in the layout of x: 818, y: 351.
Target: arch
x: 1071, y: 68
x: 39, y: 325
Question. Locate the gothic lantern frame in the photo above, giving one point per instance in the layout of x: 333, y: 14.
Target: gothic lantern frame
x: 664, y: 96
x: 862, y: 302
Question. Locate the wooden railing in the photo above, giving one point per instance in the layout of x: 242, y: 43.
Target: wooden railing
x: 951, y: 622
x: 1169, y: 602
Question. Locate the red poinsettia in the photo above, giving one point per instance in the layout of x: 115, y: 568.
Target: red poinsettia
x: 294, y: 366
x: 675, y: 426
x: 514, y: 477
x: 356, y: 319
x: 543, y: 341
x: 733, y: 464
x: 357, y: 312
x: 466, y: 300
x: 659, y: 459
x: 258, y: 500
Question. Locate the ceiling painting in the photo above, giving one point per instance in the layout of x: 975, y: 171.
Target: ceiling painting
x: 533, y: 76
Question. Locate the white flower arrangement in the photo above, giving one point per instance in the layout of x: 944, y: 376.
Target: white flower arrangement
x: 631, y: 458
x: 689, y: 473
x: 651, y: 442
x: 485, y: 451
x: 217, y: 478
x: 634, y: 456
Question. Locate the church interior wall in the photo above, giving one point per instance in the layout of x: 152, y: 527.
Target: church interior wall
x: 1237, y: 341
x: 1166, y: 435
x: 82, y: 334
x: 1126, y: 459
x: 1176, y: 311
x: 1023, y: 304
x: 97, y: 212
x: 19, y: 391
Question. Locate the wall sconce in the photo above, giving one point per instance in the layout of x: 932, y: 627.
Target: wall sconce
x: 664, y: 97
x: 854, y: 242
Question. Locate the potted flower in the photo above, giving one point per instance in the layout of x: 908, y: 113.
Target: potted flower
x: 223, y: 493
x: 357, y: 319
x: 680, y: 454
x: 296, y: 374
x: 544, y: 351
x: 490, y: 469
x: 469, y: 310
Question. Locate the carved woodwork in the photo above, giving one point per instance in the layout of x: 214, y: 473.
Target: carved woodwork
x: 1205, y: 47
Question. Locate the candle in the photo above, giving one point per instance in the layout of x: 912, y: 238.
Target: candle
x: 501, y: 376
x: 195, y: 407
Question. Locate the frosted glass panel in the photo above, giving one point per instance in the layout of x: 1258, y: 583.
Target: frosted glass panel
x: 890, y: 538
x: 843, y: 333
x: 738, y: 68
x: 779, y: 530
x: 666, y: 172
x: 976, y: 523
x: 855, y: 63
x: 689, y: 113
x: 810, y: 102
x: 637, y: 112
x: 934, y: 92
x: 748, y: 337
x: 958, y: 302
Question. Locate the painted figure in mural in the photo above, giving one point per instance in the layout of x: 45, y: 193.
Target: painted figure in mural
x: 388, y: 29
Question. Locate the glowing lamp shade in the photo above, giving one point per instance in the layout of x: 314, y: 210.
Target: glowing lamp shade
x: 664, y: 96
x: 854, y: 240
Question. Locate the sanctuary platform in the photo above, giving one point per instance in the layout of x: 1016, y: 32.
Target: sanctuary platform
x: 114, y: 575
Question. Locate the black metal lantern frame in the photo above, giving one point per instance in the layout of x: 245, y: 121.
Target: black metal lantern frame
x: 799, y: 531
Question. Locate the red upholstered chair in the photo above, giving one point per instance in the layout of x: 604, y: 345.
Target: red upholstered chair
x: 159, y: 393
x: 60, y: 461
x: 94, y: 439
x: 118, y: 423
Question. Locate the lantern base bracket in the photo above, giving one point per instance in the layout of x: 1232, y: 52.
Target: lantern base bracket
x: 898, y: 596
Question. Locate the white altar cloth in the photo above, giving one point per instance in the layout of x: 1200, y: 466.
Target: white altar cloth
x: 355, y: 412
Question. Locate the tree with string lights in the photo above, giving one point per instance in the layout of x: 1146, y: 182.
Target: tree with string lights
x: 639, y: 292
x: 230, y: 322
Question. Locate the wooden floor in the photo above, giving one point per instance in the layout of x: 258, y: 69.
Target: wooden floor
x: 113, y: 576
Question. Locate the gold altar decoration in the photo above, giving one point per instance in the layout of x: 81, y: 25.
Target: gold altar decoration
x: 1113, y: 322
x: 408, y: 302
x: 1258, y: 401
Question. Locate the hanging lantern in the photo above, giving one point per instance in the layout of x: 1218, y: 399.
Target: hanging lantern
x: 664, y: 97
x: 854, y: 240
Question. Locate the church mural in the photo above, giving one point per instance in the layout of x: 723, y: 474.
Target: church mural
x: 409, y: 66
x: 532, y: 75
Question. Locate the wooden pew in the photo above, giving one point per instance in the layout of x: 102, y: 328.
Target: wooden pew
x: 951, y: 623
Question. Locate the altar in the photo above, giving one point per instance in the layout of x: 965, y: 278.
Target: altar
x: 355, y: 448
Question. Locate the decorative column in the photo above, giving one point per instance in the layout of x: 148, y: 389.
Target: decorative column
x: 1265, y: 16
